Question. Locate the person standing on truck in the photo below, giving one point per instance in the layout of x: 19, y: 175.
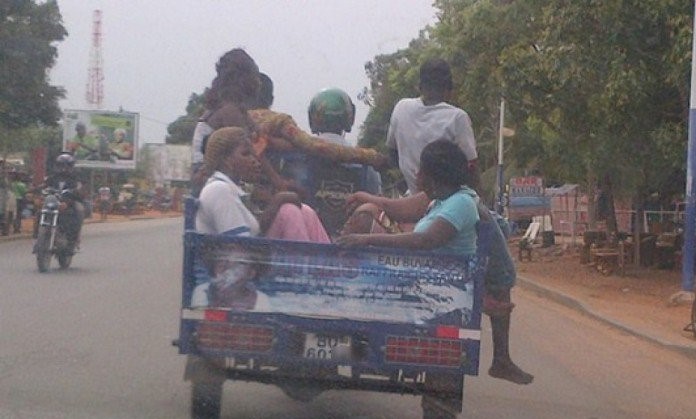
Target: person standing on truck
x: 233, y: 92
x: 449, y: 224
x: 415, y: 122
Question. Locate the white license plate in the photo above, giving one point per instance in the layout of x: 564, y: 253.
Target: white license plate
x: 326, y: 347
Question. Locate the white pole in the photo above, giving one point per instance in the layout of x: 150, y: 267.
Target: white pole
x: 500, y: 187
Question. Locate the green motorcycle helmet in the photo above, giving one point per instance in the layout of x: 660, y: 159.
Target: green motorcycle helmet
x: 331, y: 110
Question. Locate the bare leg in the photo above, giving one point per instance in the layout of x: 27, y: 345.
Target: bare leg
x: 362, y: 220
x: 499, y: 307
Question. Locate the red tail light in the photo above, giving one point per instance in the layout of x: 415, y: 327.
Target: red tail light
x: 237, y: 337
x: 421, y: 350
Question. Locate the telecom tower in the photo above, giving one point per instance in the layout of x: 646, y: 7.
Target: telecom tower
x: 95, y: 73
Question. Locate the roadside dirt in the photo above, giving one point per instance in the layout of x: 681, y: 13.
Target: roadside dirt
x: 641, y: 296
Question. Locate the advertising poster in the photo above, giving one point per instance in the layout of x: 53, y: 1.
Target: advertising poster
x: 101, y: 139
x: 167, y: 162
x: 329, y: 281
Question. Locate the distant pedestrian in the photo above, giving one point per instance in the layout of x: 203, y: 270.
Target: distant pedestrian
x: 104, y: 201
x: 20, y: 191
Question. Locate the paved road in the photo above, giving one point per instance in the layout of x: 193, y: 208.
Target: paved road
x: 93, y: 341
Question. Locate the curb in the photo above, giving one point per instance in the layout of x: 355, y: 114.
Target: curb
x: 573, y: 303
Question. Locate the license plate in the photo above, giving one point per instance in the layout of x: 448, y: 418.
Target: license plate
x: 326, y: 347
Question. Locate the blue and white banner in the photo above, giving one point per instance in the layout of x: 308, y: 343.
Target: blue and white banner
x: 315, y: 280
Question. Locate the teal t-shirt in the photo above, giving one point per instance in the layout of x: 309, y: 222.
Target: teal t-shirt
x: 460, y: 211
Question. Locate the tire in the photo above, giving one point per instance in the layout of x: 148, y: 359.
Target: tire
x: 206, y: 400
x: 446, y: 402
x: 437, y: 408
x: 43, y: 252
x: 64, y: 260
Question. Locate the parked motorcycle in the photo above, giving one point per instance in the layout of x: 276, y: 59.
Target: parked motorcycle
x: 53, y: 237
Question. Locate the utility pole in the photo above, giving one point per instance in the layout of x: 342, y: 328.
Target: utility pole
x: 499, y: 204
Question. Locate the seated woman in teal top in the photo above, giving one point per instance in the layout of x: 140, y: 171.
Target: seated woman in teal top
x: 450, y: 223
x: 459, y: 209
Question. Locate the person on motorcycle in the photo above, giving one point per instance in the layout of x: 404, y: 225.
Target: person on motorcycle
x: 65, y: 180
x: 331, y: 115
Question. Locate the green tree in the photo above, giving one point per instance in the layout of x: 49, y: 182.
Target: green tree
x: 181, y: 130
x: 596, y: 90
x: 28, y: 103
x: 594, y: 79
x: 28, y: 31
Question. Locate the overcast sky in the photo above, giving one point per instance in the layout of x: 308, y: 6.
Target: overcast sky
x: 157, y: 52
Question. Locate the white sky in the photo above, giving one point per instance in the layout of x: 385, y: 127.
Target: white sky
x: 157, y: 52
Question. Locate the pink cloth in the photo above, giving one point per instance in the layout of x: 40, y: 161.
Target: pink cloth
x: 298, y: 224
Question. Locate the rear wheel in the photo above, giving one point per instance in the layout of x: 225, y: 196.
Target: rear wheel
x: 205, y: 400
x: 64, y: 260
x: 438, y: 408
x: 445, y: 398
x: 43, y: 251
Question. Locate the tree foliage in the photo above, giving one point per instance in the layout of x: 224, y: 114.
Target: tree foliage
x: 595, y: 89
x: 181, y: 130
x: 29, y: 107
x: 28, y: 31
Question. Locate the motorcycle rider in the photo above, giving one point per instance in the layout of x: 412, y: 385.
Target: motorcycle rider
x: 65, y: 180
x: 331, y: 115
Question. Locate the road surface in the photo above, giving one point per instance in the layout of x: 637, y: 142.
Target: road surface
x: 93, y: 341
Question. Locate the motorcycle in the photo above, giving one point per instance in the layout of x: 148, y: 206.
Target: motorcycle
x: 53, y: 238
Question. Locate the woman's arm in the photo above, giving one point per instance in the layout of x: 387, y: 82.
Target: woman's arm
x: 438, y: 233
x: 409, y: 209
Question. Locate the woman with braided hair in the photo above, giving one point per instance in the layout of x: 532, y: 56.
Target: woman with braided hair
x: 231, y: 159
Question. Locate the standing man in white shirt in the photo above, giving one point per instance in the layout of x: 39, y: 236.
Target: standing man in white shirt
x: 416, y: 122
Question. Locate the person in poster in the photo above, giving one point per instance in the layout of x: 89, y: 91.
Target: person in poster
x: 83, y: 146
x: 120, y: 147
x: 234, y: 271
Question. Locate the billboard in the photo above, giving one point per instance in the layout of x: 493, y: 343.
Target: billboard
x: 101, y: 139
x: 167, y: 162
